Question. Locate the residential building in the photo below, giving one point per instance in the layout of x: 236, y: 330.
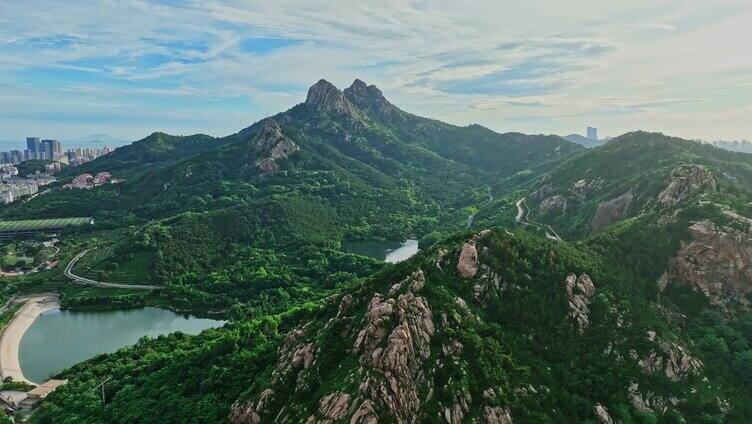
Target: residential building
x: 8, y: 171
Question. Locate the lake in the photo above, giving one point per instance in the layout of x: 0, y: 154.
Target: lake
x: 387, y: 251
x: 59, y: 339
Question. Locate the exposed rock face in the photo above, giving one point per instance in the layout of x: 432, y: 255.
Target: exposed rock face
x: 456, y: 413
x: 686, y: 181
x: 646, y: 403
x: 370, y: 99
x: 497, y: 415
x: 303, y: 356
x: 611, y: 211
x: 326, y: 98
x: 601, y: 413
x: 581, y: 189
x: 544, y: 190
x: 391, y: 349
x: 441, y: 257
x: 671, y: 358
x: 553, y: 205
x: 400, y: 361
x: 716, y: 262
x: 246, y: 412
x: 467, y: 265
x: 332, y: 407
x: 487, y: 284
x: 365, y: 414
x: 273, y: 146
x: 579, y: 292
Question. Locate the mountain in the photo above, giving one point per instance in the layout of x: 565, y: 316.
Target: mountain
x: 382, y: 172
x: 99, y: 137
x: 492, y: 326
x: 584, y: 141
x: 554, y: 283
x: 156, y: 149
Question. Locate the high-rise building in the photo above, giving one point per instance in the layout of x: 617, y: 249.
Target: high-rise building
x: 592, y: 133
x: 33, y: 144
x: 52, y: 147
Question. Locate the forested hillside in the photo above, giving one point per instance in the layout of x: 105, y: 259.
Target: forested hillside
x: 554, y: 283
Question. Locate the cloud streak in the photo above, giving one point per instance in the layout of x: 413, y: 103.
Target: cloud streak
x: 507, y: 65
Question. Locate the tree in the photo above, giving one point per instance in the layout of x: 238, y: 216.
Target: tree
x: 742, y: 366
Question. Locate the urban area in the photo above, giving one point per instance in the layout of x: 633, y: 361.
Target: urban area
x: 48, y: 158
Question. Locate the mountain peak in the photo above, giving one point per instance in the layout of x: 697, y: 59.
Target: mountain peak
x: 369, y: 98
x: 325, y: 97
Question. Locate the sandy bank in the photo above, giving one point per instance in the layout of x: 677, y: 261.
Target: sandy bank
x: 11, y: 339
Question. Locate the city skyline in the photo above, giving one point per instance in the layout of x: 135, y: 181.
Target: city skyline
x: 186, y: 67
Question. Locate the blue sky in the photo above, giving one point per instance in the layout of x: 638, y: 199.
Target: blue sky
x: 131, y: 67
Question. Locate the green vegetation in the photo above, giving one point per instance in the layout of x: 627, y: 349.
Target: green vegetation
x: 25, y: 254
x: 262, y: 247
x: 37, y: 224
x: 32, y: 166
x: 129, y: 268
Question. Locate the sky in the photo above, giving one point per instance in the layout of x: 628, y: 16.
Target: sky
x: 127, y: 68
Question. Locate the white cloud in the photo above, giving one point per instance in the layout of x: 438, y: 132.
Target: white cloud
x: 533, y: 66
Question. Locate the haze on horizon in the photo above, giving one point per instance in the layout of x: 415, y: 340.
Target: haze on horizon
x: 128, y: 68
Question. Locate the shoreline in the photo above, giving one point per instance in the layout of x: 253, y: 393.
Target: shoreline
x: 11, y: 337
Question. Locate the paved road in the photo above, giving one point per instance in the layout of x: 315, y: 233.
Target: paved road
x: 83, y: 280
x: 471, y: 218
x: 523, y: 213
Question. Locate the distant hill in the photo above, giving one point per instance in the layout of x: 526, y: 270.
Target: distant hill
x: 99, y: 137
x: 583, y: 141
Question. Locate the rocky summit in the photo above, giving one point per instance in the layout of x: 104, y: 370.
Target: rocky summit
x: 324, y: 97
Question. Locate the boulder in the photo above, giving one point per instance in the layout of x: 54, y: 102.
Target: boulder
x: 467, y: 265
x: 601, y: 413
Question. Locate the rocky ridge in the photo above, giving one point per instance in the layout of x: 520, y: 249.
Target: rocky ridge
x: 392, y: 344
x: 686, y: 181
x: 325, y: 98
x: 580, y: 290
x: 398, y: 340
x: 273, y: 147
x: 716, y: 261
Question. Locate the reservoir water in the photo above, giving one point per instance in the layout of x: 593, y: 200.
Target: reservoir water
x: 387, y: 251
x: 59, y: 339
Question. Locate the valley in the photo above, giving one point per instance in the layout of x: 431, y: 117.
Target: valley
x: 354, y: 262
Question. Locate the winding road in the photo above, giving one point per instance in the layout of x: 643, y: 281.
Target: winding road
x: 523, y: 213
x: 83, y: 280
x: 471, y: 218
